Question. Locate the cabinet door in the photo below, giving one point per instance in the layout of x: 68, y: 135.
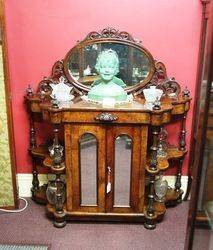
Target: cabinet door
x: 85, y: 162
x: 125, y: 175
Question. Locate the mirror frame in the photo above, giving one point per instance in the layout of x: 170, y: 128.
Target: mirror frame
x: 110, y: 35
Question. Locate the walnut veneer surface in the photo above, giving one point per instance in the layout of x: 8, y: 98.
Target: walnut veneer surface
x: 140, y: 123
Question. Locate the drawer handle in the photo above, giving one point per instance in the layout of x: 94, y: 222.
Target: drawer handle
x: 106, y: 117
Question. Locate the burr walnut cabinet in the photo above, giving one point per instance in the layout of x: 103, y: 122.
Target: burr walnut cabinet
x: 108, y: 155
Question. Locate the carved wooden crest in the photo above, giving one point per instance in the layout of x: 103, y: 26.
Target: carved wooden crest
x: 159, y: 78
x: 110, y: 33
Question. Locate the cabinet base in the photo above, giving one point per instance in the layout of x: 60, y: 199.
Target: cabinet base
x: 173, y: 198
x: 106, y: 217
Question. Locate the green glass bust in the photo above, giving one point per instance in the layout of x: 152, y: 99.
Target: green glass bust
x: 108, y: 86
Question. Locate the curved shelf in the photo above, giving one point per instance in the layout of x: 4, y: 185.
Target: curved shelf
x: 48, y: 161
x: 160, y: 209
x: 39, y: 195
x: 173, y: 197
x: 173, y: 153
x: 162, y: 164
x: 40, y: 151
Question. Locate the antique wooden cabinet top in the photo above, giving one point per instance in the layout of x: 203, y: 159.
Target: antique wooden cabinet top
x: 135, y: 111
x: 137, y: 71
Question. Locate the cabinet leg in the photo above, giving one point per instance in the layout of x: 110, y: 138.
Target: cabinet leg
x: 150, y: 217
x: 182, y: 147
x: 150, y: 224
x: 178, y: 177
x: 179, y: 200
x: 59, y: 215
x: 59, y: 221
x: 35, y: 181
x: 58, y: 168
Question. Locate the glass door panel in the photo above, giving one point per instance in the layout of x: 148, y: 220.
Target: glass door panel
x: 85, y: 162
x: 88, y: 169
x: 125, y: 174
x: 123, y: 162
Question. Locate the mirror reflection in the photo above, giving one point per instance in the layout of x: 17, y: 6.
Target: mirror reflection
x: 134, y: 64
x: 123, y: 155
x: 88, y: 169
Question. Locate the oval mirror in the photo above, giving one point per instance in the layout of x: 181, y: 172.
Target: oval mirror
x: 136, y: 64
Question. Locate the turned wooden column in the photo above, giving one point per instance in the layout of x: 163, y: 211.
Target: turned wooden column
x: 35, y: 181
x: 150, y: 221
x: 182, y: 145
x: 58, y: 168
x: 59, y: 214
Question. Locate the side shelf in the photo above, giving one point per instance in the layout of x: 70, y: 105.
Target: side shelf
x: 41, y: 154
x: 40, y: 151
x: 173, y: 197
x: 173, y: 153
x: 39, y: 195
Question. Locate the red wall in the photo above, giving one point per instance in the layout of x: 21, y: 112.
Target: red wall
x: 41, y: 32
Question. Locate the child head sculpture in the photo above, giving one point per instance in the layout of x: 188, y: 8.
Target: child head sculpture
x: 107, y: 65
x: 108, y: 86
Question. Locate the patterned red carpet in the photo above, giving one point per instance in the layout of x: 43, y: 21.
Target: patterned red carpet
x: 32, y: 227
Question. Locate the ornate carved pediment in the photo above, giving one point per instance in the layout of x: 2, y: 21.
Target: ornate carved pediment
x: 45, y: 89
x: 110, y: 33
x: 157, y: 76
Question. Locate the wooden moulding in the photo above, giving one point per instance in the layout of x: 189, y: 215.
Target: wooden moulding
x: 80, y: 112
x: 160, y: 210
x: 155, y: 118
x: 182, y: 106
x: 172, y: 199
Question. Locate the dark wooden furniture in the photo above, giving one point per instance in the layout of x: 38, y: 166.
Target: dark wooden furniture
x: 201, y: 141
x: 131, y: 124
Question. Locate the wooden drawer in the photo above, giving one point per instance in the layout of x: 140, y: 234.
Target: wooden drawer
x: 120, y: 117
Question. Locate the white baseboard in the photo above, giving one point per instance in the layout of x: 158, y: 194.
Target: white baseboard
x: 171, y: 181
x: 25, y: 183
